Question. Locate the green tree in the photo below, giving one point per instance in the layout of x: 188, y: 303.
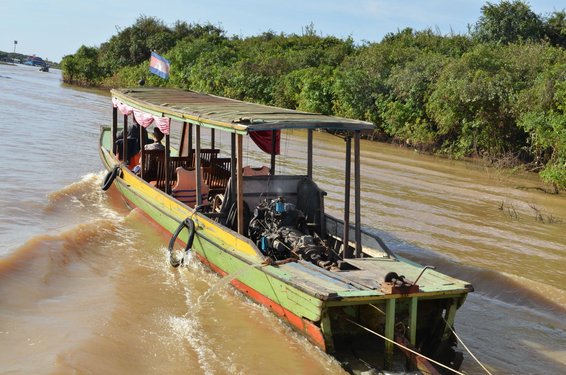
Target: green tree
x: 508, y: 22
x: 404, y: 114
x: 82, y: 67
x: 133, y: 45
x: 556, y: 28
x: 471, y: 104
x: 544, y: 119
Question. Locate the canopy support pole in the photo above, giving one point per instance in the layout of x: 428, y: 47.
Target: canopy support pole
x: 240, y: 184
x: 357, y: 194
x: 142, y: 148
x: 273, y: 143
x: 212, y: 137
x: 183, y: 137
x: 309, y: 154
x: 114, y: 128
x: 197, y: 166
x: 125, y: 141
x: 190, y: 146
x: 167, y: 173
x: 347, y: 253
x: 233, y: 166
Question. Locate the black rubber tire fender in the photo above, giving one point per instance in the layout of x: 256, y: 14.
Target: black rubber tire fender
x: 110, y: 177
x: 190, y: 225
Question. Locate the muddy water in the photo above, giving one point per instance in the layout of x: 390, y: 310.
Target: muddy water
x: 85, y: 286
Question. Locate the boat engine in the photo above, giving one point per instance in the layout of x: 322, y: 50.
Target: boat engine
x: 280, y: 231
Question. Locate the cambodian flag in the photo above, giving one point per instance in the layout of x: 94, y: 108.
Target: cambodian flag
x: 159, y: 65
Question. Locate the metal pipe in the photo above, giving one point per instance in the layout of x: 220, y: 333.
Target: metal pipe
x: 114, y: 128
x: 357, y: 194
x: 125, y: 141
x: 273, y: 143
x: 347, y: 253
x: 197, y: 166
x: 240, y: 184
x: 233, y: 165
x: 309, y: 153
x: 142, y: 147
x: 167, y: 174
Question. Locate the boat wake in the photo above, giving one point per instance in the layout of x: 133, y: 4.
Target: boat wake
x: 257, y: 339
x: 49, y: 286
x: 51, y: 253
x: 536, y: 296
x: 84, y: 194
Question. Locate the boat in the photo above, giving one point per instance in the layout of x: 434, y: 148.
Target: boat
x: 44, y: 68
x: 332, y: 279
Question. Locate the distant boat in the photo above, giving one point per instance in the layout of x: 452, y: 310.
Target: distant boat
x: 35, y: 61
x: 44, y: 68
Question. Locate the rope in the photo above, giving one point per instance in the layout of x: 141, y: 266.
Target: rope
x: 377, y: 308
x: 465, y: 347
x: 406, y: 348
x: 455, y: 334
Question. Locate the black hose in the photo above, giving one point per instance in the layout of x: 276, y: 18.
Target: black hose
x: 190, y: 225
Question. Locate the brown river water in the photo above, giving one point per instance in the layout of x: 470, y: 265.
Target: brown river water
x: 86, y: 287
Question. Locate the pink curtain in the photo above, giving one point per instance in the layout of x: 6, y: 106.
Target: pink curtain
x: 143, y: 118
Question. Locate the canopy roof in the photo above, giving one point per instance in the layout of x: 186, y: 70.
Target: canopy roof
x: 228, y: 114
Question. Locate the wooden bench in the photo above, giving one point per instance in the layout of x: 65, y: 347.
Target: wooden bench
x: 217, y: 175
x: 153, y: 168
x: 207, y: 155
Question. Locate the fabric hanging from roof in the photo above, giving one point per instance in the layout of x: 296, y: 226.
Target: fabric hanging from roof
x: 263, y: 140
x: 143, y: 118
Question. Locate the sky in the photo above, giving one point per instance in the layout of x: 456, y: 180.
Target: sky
x: 52, y: 29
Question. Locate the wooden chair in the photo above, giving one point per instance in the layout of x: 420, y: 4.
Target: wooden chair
x: 184, y: 189
x: 151, y: 161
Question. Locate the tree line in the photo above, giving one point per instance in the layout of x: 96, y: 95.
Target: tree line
x: 498, y: 92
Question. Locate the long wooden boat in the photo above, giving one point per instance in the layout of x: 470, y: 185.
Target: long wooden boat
x: 329, y: 278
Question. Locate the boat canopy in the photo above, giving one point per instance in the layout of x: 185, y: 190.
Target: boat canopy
x: 227, y: 114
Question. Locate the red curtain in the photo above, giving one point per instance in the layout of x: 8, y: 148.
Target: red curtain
x: 263, y: 139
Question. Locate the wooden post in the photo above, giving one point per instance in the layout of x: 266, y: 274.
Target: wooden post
x: 326, y: 328
x: 449, y: 317
x: 309, y: 154
x: 114, y: 129
x: 389, y: 332
x: 197, y: 166
x: 413, y: 321
x: 142, y: 139
x: 212, y: 136
x: 357, y: 194
x: 273, y: 143
x: 233, y: 166
x: 190, y: 145
x: 347, y: 253
x: 167, y: 174
x: 183, y: 137
x: 240, y: 184
x: 125, y: 141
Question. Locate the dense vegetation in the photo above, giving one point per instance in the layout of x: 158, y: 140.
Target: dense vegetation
x: 498, y: 92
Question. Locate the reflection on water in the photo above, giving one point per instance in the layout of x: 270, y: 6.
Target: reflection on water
x: 86, y: 286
